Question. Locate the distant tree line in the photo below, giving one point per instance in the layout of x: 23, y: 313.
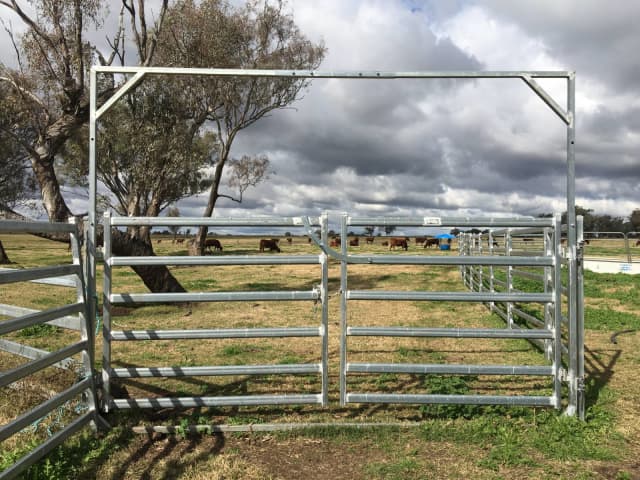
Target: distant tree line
x: 594, y: 222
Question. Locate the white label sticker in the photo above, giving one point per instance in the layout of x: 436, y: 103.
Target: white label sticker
x: 432, y: 221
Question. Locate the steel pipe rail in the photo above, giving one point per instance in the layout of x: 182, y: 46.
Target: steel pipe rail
x: 344, y: 74
x: 450, y: 222
x: 444, y: 369
x: 68, y: 322
x: 52, y: 442
x: 525, y: 261
x: 39, y: 317
x: 449, y: 296
x: 193, y: 402
x: 65, y: 281
x: 213, y: 222
x: 525, y: 400
x: 448, y: 332
x: 16, y: 226
x: 22, y: 371
x: 146, y: 372
x: 219, y: 261
x: 32, y: 353
x: 38, y: 273
x: 129, y: 298
x: 204, y: 334
x: 43, y: 409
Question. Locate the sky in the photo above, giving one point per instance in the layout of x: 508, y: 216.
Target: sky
x: 485, y: 147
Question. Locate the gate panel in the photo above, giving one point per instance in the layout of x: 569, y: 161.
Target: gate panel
x: 472, y: 262
x: 317, y: 294
x: 63, y: 316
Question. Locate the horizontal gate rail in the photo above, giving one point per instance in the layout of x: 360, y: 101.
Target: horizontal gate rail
x: 13, y: 375
x: 68, y: 322
x: 38, y: 273
x: 129, y: 298
x: 145, y: 372
x: 316, y: 295
x: 230, y: 401
x: 448, y: 296
x: 525, y: 261
x: 39, y: 317
x: 423, y: 369
x: 448, y: 332
x: 451, y: 222
x: 41, y: 451
x: 529, y: 401
x: 203, y: 334
x: 218, y: 261
x: 32, y: 353
x: 63, y: 316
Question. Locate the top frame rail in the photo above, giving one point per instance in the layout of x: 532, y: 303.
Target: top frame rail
x: 231, y: 72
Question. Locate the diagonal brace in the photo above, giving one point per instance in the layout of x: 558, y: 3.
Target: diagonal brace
x: 565, y: 116
x: 131, y: 83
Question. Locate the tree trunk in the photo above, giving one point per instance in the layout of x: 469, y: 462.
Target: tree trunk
x: 157, y: 278
x: 4, y: 259
x: 201, y: 236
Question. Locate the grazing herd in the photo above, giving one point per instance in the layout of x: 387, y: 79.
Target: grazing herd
x: 272, y: 245
x: 213, y: 245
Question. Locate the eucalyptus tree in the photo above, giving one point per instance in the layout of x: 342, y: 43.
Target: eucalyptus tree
x: 256, y: 35
x: 16, y: 180
x: 50, y: 86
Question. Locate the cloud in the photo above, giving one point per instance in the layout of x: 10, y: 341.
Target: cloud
x: 432, y: 147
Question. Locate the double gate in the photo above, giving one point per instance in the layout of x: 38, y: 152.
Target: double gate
x: 471, y: 262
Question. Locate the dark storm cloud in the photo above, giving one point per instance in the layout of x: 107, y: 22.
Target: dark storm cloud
x: 597, y: 38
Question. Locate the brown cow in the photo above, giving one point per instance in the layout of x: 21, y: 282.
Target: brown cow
x: 420, y: 240
x: 369, y: 240
x: 309, y: 240
x: 335, y: 242
x: 431, y: 242
x: 638, y: 243
x: 160, y: 240
x: 180, y: 240
x: 355, y: 242
x: 271, y: 244
x: 398, y: 242
x: 385, y: 243
x: 289, y: 240
x: 212, y: 243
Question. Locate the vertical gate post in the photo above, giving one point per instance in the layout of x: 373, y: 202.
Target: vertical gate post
x: 579, y: 341
x: 549, y: 237
x: 343, y: 311
x: 87, y: 329
x: 106, y: 315
x: 556, y: 325
x: 324, y: 298
x: 508, y: 246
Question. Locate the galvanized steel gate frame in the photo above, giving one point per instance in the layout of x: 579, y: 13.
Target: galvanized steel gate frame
x: 574, y: 376
x: 565, y: 113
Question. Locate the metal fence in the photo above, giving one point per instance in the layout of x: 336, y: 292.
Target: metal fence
x: 317, y: 294
x: 560, y: 316
x: 71, y: 316
x: 472, y: 269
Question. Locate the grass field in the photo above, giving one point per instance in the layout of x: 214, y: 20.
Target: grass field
x: 443, y: 441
